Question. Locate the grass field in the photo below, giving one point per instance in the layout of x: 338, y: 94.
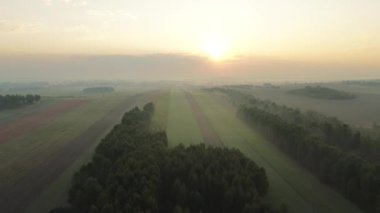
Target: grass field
x: 56, y: 193
x: 11, y: 114
x: 68, y: 141
x: 361, y: 111
x: 23, y: 126
x: 289, y: 183
x: 20, y: 155
x: 160, y: 117
x: 209, y: 135
x: 181, y: 125
x: 65, y: 142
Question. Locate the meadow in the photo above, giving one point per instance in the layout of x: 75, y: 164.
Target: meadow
x: 181, y: 126
x: 289, y: 183
x: 42, y: 152
x: 55, y: 149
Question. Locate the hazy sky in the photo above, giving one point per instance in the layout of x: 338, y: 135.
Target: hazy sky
x: 316, y: 31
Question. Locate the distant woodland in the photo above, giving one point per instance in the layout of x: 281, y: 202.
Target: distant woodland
x: 319, y: 92
x: 15, y: 101
x: 373, y: 83
x: 133, y: 170
x: 337, y: 154
x: 99, y: 90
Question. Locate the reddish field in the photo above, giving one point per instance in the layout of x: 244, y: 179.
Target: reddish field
x: 29, y: 123
x: 16, y: 197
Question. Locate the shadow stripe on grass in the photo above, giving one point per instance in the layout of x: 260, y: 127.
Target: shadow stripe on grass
x: 208, y: 132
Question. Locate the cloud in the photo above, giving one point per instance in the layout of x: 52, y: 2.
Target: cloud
x: 7, y: 26
x: 77, y: 29
x: 72, y: 2
x: 17, y: 27
x: 111, y: 14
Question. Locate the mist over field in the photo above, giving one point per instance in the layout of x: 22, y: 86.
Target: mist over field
x: 180, y: 106
x: 175, y: 67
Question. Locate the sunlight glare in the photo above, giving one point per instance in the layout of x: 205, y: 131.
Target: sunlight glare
x: 215, y: 48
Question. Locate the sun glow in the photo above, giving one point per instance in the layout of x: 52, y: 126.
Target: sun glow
x: 215, y: 48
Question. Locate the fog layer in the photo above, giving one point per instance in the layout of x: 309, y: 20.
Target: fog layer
x: 174, y: 67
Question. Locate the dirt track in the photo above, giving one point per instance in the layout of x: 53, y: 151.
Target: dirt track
x: 15, y: 198
x: 29, y: 123
x: 208, y: 133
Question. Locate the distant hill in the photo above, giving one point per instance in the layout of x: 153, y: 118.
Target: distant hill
x: 93, y: 90
x: 319, y: 92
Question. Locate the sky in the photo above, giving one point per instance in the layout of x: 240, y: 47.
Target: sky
x: 325, y: 35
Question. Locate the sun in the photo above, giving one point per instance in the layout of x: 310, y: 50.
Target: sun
x: 215, y: 48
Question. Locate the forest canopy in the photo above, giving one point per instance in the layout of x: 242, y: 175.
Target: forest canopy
x: 133, y: 170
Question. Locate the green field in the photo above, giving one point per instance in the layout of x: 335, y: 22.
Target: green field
x: 181, y: 125
x: 160, y: 117
x: 289, y: 183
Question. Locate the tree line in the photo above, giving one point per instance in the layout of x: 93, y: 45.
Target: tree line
x: 99, y: 90
x: 325, y: 146
x: 329, y: 129
x: 373, y: 83
x: 319, y: 92
x: 133, y: 170
x: 14, y: 101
